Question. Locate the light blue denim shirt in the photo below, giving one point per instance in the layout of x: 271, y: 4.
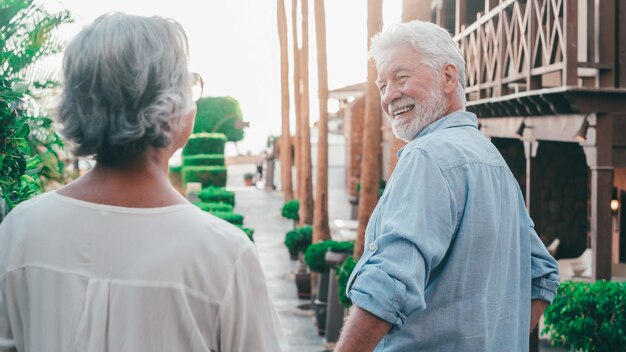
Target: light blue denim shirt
x: 451, y: 256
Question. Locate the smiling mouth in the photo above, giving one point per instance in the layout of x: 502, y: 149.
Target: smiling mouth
x: 403, y: 110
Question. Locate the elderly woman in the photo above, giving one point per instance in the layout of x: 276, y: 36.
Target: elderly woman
x: 118, y: 260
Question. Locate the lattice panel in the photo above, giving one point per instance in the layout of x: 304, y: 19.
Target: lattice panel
x: 516, y: 48
x: 521, y: 40
x: 549, y: 41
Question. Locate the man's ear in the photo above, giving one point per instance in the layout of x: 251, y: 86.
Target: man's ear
x: 451, y: 78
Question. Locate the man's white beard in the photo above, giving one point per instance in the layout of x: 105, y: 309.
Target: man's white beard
x: 422, y: 115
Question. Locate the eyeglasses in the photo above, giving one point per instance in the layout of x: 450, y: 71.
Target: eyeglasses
x: 197, y: 86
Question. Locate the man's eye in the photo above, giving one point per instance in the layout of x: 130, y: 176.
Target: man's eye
x: 382, y: 88
x: 403, y: 78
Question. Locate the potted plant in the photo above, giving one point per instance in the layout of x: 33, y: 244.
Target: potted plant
x: 247, y: 178
x: 297, y: 241
x: 588, y: 316
x: 315, y: 258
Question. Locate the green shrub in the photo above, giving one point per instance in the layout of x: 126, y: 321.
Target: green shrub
x: 217, y: 194
x: 206, y: 175
x: 233, y: 218
x: 176, y: 169
x: 29, y: 146
x: 290, y: 210
x: 205, y: 143
x: 212, y: 207
x: 588, y: 316
x: 248, y: 232
x: 298, y: 240
x: 316, y: 253
x: 203, y: 160
x: 343, y: 274
x: 248, y: 176
x: 219, y: 114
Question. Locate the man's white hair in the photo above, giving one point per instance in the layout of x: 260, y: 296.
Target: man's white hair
x: 433, y: 43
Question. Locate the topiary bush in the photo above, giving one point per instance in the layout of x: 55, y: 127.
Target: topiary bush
x: 343, y: 274
x: 203, y: 160
x: 213, y: 207
x: 316, y: 253
x: 290, y: 210
x: 588, y: 316
x: 298, y: 240
x: 217, y: 194
x: 206, y: 175
x: 205, y: 143
x: 219, y: 114
x: 233, y: 218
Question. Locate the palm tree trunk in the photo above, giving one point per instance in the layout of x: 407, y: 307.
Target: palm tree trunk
x: 296, y: 95
x: 372, y: 135
x: 321, y: 230
x: 415, y: 10
x: 411, y: 10
x: 306, y: 199
x: 285, y: 139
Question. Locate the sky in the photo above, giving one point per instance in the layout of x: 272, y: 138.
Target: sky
x: 234, y: 47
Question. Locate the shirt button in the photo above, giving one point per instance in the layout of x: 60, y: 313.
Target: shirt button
x: 372, y: 246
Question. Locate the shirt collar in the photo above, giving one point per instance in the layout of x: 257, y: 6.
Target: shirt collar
x: 455, y: 119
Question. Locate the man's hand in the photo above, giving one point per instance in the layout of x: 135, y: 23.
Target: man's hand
x: 537, y: 307
x: 362, y: 331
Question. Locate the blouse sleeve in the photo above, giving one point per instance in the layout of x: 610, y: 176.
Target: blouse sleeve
x: 247, y: 318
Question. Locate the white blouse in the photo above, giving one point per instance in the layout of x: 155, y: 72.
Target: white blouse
x: 80, y: 276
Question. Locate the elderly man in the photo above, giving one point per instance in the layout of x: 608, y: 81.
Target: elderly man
x: 451, y: 262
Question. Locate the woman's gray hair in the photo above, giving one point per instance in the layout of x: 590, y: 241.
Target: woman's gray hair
x: 126, y: 86
x: 432, y: 42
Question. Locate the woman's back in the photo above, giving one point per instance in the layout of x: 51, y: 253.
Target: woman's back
x: 80, y: 276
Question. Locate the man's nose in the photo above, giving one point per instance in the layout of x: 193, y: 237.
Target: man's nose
x: 390, y: 94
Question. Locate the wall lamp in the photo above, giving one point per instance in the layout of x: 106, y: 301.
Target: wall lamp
x: 614, y: 202
x: 581, y: 134
x: 520, y: 130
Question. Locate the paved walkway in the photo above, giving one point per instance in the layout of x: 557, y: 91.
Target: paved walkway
x: 262, y: 213
x: 261, y: 209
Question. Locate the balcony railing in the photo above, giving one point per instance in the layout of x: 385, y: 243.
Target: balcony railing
x: 528, y: 45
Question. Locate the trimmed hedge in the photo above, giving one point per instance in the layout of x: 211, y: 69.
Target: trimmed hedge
x: 316, y: 253
x: 206, y: 175
x: 203, y: 160
x: 176, y: 169
x: 205, y: 143
x: 233, y: 218
x: 298, y: 240
x: 588, y: 316
x: 217, y: 194
x: 212, y: 207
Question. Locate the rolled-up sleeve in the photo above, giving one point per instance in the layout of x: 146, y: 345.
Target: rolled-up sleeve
x: 416, y: 220
x: 544, y: 270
